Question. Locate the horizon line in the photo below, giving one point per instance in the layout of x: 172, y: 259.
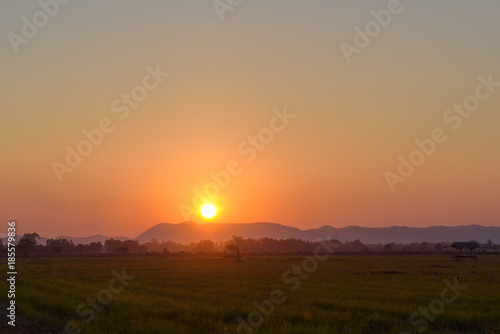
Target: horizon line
x: 215, y: 223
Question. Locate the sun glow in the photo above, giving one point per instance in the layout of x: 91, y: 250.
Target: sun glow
x: 208, y: 211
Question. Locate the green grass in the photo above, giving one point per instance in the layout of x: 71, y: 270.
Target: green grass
x: 346, y: 294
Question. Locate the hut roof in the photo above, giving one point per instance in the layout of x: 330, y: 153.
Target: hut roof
x: 465, y: 244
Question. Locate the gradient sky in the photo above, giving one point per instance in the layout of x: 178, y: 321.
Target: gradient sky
x: 327, y: 166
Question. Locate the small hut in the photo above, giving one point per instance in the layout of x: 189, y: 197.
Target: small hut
x: 232, y: 252
x: 465, y: 250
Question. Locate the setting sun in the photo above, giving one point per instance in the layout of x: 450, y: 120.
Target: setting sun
x: 208, y: 211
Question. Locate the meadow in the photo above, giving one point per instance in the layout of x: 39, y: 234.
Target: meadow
x: 281, y: 294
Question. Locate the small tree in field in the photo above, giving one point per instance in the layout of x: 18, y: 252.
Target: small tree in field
x: 28, y: 242
x: 122, y: 249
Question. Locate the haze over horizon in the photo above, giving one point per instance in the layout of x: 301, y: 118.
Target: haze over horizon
x: 118, y: 234
x: 213, y: 86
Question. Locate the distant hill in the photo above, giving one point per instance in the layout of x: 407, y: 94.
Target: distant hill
x: 93, y: 238
x: 76, y: 240
x: 405, y: 235
x: 192, y: 232
x: 189, y: 231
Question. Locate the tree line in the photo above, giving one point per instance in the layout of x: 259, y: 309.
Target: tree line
x: 29, y: 243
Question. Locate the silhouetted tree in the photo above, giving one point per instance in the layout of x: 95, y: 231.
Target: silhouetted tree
x: 111, y: 245
x: 96, y: 247
x: 438, y: 247
x: 122, y: 249
x: 28, y: 242
x: 57, y: 246
x: 206, y: 246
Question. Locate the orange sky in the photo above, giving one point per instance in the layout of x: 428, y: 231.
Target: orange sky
x: 227, y: 81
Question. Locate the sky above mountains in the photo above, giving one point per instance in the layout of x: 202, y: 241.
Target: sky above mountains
x: 118, y: 115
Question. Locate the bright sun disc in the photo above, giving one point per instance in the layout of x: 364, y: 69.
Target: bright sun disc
x: 208, y: 211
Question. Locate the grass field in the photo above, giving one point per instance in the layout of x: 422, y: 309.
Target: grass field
x: 344, y: 294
